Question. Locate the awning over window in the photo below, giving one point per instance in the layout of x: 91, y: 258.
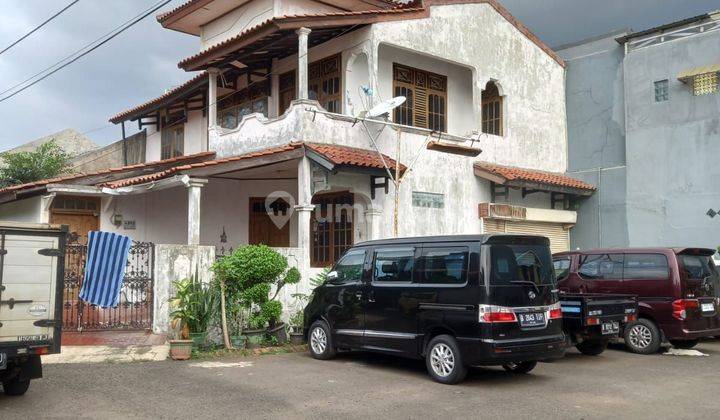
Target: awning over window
x: 531, y: 179
x: 687, y: 75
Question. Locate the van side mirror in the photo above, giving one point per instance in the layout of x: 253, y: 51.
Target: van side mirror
x: 331, y: 276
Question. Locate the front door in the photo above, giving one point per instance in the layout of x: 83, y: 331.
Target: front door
x: 79, y: 213
x: 262, y: 229
x: 345, y: 294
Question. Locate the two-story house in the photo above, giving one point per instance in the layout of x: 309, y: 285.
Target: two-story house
x: 266, y: 143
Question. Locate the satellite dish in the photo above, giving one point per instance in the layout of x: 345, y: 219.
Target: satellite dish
x: 384, y: 107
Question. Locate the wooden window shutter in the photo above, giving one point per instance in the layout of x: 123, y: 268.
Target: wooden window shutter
x: 420, y: 87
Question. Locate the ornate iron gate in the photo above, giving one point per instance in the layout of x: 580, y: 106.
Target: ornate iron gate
x: 135, y: 310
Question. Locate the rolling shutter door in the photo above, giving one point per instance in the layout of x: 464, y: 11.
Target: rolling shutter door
x: 559, y: 237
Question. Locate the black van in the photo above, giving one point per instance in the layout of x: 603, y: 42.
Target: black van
x: 456, y: 301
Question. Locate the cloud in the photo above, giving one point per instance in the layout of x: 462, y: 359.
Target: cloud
x: 141, y: 63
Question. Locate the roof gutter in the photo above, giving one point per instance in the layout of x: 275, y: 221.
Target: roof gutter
x: 174, y: 181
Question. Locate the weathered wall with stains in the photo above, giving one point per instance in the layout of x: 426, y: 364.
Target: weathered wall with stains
x: 475, y: 36
x: 672, y: 147
x: 172, y: 263
x: 596, y: 138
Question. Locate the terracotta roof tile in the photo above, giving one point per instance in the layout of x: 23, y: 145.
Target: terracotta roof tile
x: 338, y: 155
x: 178, y: 169
x: 510, y: 173
x: 352, y: 156
x: 122, y: 116
x: 80, y: 176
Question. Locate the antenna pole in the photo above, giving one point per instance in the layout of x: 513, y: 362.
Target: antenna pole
x: 398, y: 180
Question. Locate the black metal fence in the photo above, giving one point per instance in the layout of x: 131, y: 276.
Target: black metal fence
x: 135, y: 310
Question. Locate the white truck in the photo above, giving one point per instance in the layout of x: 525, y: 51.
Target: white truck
x: 32, y: 266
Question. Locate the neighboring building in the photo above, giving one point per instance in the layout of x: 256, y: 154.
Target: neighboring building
x: 86, y: 156
x: 129, y: 151
x: 644, y: 126
x: 69, y: 140
x: 247, y: 140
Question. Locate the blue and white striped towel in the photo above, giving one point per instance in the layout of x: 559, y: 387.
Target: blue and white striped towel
x: 107, y: 255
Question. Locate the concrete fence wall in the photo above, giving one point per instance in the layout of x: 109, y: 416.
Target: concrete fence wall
x: 177, y: 262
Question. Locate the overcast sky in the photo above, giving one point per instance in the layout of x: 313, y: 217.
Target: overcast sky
x: 142, y: 62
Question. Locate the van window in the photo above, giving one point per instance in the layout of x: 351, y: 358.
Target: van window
x: 562, y: 268
x: 394, y: 265
x: 698, y: 266
x: 350, y: 267
x: 645, y: 266
x: 601, y: 267
x: 443, y: 265
x: 517, y: 264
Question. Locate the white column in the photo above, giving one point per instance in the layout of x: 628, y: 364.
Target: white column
x: 212, y: 96
x: 372, y: 218
x: 274, y: 105
x: 302, y: 92
x: 194, y: 188
x: 304, y: 210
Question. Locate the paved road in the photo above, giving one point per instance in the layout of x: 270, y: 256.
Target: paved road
x: 615, y: 384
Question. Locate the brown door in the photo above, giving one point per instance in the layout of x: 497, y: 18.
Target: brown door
x: 262, y: 230
x: 79, y: 213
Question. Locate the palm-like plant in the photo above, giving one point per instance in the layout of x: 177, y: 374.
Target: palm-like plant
x: 193, y: 305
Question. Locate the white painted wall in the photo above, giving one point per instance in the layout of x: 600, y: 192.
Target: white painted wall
x: 476, y: 36
x: 195, y: 137
x: 235, y: 22
x: 152, y: 145
x: 27, y: 210
x: 160, y: 216
x: 299, y: 7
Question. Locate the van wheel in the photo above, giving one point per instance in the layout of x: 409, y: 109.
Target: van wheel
x: 15, y: 387
x: 684, y: 344
x: 444, y: 361
x: 520, y: 367
x: 320, y: 341
x: 592, y: 347
x: 642, y: 337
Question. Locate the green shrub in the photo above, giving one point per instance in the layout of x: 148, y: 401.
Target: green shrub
x: 249, y: 274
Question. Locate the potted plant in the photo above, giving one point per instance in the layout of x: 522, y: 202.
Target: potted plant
x: 193, y: 308
x: 255, y: 333
x: 246, y: 277
x: 182, y: 315
x: 296, y: 328
x: 297, y: 320
x: 236, y: 322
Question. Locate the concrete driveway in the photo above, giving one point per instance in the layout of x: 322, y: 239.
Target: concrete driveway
x: 616, y: 384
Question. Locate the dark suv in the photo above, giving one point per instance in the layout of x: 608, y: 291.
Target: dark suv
x: 678, y: 290
x: 456, y: 301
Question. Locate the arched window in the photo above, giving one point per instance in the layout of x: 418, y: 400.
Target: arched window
x: 492, y: 110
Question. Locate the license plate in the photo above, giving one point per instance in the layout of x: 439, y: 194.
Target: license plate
x: 536, y: 319
x: 610, y: 328
x: 3, y: 361
x: 707, y: 307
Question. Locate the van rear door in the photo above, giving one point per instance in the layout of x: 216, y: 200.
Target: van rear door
x: 521, y: 281
x: 699, y: 280
x: 30, y: 276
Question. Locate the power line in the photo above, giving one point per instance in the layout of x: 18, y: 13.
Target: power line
x: 39, y: 26
x: 105, y: 39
